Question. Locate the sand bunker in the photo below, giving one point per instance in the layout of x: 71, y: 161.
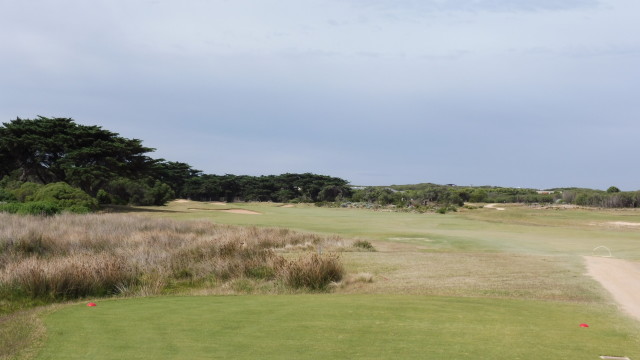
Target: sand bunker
x: 181, y: 201
x: 287, y: 206
x: 621, y: 278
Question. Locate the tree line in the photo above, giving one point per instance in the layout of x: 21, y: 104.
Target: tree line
x: 55, y: 163
x: 66, y: 160
x: 434, y: 195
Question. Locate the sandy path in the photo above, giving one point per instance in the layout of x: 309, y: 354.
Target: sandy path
x: 493, y: 206
x: 621, y: 278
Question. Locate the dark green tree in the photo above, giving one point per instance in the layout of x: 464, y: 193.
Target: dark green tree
x: 48, y: 150
x: 175, y: 174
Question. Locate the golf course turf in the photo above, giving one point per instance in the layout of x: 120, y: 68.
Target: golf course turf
x: 477, y: 284
x: 335, y: 327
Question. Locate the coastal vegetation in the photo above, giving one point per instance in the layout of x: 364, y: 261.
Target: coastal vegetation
x: 54, y: 165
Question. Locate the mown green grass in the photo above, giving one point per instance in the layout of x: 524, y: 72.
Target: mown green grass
x: 519, y: 229
x: 336, y: 327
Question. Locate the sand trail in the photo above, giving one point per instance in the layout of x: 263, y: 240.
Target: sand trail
x: 621, y: 278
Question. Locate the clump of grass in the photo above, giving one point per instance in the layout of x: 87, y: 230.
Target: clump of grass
x: 312, y: 271
x: 68, y: 277
x: 364, y: 278
x: 363, y: 245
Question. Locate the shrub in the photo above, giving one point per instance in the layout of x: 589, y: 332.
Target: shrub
x: 26, y: 191
x: 103, y: 197
x: 312, y: 271
x: 65, y: 196
x: 7, y: 196
x: 11, y: 208
x: 43, y: 208
x: 77, y: 209
x: 364, y: 245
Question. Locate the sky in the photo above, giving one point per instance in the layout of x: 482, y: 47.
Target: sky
x: 521, y: 93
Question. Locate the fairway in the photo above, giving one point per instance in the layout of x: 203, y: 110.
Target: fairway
x: 519, y: 229
x: 336, y: 327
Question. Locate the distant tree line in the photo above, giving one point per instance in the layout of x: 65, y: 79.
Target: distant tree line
x: 49, y: 164
x: 435, y: 195
x: 612, y: 198
x: 278, y: 188
x: 67, y: 160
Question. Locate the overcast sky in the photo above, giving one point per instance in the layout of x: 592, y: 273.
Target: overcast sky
x: 523, y: 93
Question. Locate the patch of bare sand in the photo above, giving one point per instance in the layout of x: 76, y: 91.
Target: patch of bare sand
x: 287, y: 206
x: 493, y: 206
x: 241, y: 211
x: 181, y: 201
x: 217, y: 203
x: 621, y: 278
x: 624, y: 224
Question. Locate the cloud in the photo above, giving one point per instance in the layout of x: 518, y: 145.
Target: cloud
x: 376, y: 91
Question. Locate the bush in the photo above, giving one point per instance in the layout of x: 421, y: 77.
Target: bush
x: 103, y: 197
x: 43, y: 208
x: 11, y: 208
x: 26, y: 191
x: 312, y: 271
x: 364, y: 245
x: 7, y: 196
x: 65, y: 196
x: 77, y: 209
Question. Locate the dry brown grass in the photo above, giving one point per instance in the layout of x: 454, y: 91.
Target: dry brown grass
x: 71, y: 256
x: 403, y: 270
x: 312, y: 271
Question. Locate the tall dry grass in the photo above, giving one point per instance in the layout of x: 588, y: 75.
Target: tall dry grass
x: 312, y: 271
x: 70, y: 256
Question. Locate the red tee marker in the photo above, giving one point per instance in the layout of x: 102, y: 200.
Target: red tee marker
x: 92, y: 304
x: 584, y: 325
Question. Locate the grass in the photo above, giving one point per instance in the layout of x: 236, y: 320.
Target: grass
x: 336, y: 327
x: 478, y: 283
x: 56, y: 258
x: 519, y: 229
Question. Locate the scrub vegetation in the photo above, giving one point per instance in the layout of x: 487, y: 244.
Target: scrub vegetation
x: 68, y: 257
x: 54, y: 165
